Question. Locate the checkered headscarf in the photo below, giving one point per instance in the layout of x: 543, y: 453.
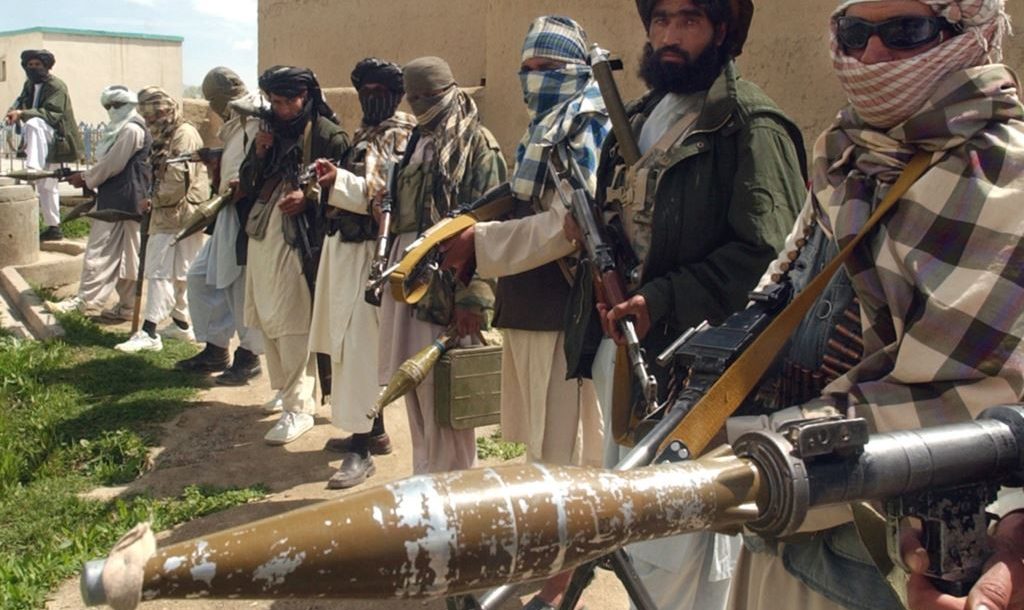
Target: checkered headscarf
x: 885, y: 94
x: 565, y: 105
x: 163, y: 118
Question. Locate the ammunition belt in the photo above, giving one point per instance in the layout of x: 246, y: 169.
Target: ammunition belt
x: 843, y: 350
x: 351, y: 227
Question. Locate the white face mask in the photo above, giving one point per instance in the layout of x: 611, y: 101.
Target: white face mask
x: 118, y: 115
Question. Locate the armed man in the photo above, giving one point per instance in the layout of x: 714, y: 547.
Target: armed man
x: 49, y: 130
x: 703, y: 211
x: 216, y: 279
x: 283, y: 243
x: 558, y: 419
x: 345, y: 325
x: 121, y: 179
x: 450, y: 161
x: 938, y: 284
x: 179, y: 187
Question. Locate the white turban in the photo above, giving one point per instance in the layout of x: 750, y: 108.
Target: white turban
x: 119, y: 117
x: 118, y: 94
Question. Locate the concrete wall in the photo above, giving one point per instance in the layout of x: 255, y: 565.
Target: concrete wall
x: 330, y: 36
x: 90, y: 63
x: 786, y: 53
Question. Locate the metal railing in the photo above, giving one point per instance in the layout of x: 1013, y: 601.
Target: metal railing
x: 10, y: 140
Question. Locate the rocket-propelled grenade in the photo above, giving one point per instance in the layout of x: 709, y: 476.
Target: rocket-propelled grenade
x: 453, y: 533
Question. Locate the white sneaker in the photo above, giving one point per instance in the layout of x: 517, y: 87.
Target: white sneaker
x: 68, y: 305
x: 290, y: 427
x: 173, y: 331
x: 274, y: 405
x: 140, y: 342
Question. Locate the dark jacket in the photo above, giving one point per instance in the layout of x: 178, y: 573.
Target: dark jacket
x: 55, y: 109
x: 328, y: 141
x: 724, y: 204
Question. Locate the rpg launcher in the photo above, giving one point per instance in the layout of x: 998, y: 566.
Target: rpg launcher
x: 31, y: 175
x: 452, y: 533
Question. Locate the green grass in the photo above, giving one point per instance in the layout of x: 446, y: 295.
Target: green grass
x: 75, y: 414
x: 494, y: 446
x: 76, y: 229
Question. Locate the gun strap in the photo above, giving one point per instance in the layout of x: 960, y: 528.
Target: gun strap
x: 707, y: 417
x: 448, y: 228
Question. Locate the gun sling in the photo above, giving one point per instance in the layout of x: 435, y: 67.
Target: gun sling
x: 707, y: 417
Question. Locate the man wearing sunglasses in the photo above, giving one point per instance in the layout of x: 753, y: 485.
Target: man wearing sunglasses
x: 938, y: 284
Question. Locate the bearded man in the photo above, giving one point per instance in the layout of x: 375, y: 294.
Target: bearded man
x: 216, y: 279
x: 121, y: 179
x: 451, y: 160
x: 345, y: 325
x: 704, y: 211
x: 938, y: 282
x: 283, y: 238
x: 178, y: 188
x: 50, y: 132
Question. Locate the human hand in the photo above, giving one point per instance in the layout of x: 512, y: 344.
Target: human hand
x: 1001, y: 586
x: 263, y: 141
x: 326, y: 173
x: 572, y: 231
x: 13, y: 116
x: 77, y: 180
x: 460, y: 253
x: 293, y: 203
x: 467, y: 322
x: 635, y: 307
x: 375, y: 206
x: 147, y: 205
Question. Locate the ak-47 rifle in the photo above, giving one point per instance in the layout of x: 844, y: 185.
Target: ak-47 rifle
x: 382, y: 249
x: 452, y: 533
x: 203, y: 155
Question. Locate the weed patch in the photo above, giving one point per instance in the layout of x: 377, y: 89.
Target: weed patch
x: 494, y: 446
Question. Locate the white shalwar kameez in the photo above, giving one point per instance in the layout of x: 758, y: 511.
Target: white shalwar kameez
x: 277, y: 303
x: 38, y: 137
x: 216, y: 282
x: 559, y: 420
x: 344, y: 325
x: 111, y: 258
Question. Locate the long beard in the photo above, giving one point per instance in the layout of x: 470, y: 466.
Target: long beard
x: 693, y: 76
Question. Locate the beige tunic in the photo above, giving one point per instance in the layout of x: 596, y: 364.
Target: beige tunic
x: 559, y: 420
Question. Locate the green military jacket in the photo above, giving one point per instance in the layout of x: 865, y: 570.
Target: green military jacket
x: 417, y: 206
x: 723, y: 205
x: 55, y: 109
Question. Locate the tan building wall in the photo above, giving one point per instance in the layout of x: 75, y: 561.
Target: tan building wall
x: 787, y: 51
x: 89, y: 61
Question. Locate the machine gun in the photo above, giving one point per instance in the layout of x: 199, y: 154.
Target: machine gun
x: 452, y: 533
x: 374, y: 287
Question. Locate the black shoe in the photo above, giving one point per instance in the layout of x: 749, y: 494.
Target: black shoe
x: 354, y: 469
x: 245, y: 367
x: 51, y: 234
x: 212, y: 359
x: 378, y: 445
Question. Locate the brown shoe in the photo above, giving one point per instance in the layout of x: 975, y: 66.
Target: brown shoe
x: 379, y: 445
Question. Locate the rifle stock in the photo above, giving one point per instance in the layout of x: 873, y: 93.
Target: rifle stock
x: 452, y: 533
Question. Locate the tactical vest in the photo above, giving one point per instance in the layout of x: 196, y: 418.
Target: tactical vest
x: 349, y: 226
x: 127, y: 190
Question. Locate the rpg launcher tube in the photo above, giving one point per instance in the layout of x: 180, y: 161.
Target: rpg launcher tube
x: 451, y: 533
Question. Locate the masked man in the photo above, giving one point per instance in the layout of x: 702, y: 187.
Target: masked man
x: 50, y: 132
x: 704, y: 211
x: 938, y: 283
x: 178, y: 188
x: 557, y: 418
x: 216, y: 279
x: 345, y: 325
x: 451, y: 161
x: 121, y: 179
x: 282, y: 237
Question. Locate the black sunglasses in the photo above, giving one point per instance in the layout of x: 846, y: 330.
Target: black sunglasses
x: 897, y: 33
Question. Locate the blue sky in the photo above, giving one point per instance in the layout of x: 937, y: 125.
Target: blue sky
x: 216, y: 32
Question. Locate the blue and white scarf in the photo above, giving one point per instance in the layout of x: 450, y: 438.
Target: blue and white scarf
x: 565, y: 105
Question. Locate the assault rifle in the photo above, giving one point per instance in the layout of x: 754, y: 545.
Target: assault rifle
x: 374, y: 287
x: 452, y: 533
x: 203, y: 155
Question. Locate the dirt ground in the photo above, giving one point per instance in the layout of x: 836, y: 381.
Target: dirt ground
x: 219, y: 442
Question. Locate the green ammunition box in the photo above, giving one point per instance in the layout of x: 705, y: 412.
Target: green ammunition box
x: 467, y: 387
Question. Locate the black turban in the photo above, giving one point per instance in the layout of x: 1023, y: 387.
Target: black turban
x: 373, y: 70
x: 289, y: 81
x: 740, y: 14
x: 41, y: 54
